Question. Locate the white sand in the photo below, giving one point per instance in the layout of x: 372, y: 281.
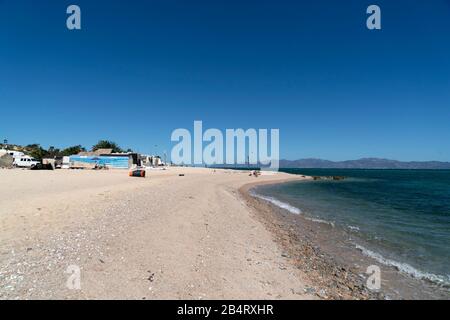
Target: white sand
x: 163, y: 237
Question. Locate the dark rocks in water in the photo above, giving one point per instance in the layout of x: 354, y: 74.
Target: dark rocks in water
x: 335, y: 178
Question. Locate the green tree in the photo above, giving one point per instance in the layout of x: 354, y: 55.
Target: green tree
x: 53, y: 152
x: 105, y: 144
x: 72, y: 150
x: 36, y: 151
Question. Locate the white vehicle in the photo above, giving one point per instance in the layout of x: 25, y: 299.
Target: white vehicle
x: 26, y: 162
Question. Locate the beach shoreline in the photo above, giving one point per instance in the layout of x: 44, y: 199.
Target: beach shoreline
x: 181, y: 233
x: 331, y: 280
x: 329, y: 256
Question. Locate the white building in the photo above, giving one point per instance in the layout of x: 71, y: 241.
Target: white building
x: 12, y: 153
x: 151, y: 161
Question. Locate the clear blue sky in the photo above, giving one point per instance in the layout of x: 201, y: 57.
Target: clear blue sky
x: 137, y: 70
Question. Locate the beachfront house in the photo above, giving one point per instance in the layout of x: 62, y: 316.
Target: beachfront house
x: 151, y: 161
x: 103, y: 158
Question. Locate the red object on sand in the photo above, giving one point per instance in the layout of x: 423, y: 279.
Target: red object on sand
x: 137, y: 173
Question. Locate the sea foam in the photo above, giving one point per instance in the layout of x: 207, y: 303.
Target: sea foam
x: 290, y: 208
x: 406, y: 268
x: 278, y: 203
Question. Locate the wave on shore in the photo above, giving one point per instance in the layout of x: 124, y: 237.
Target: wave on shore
x: 277, y: 203
x: 406, y: 268
x: 283, y: 205
x: 443, y: 281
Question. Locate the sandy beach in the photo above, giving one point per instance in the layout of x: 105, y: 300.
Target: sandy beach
x: 180, y: 233
x: 163, y: 237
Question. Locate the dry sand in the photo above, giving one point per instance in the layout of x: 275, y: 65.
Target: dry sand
x: 162, y: 237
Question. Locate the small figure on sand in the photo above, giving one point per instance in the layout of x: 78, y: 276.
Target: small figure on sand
x: 255, y: 173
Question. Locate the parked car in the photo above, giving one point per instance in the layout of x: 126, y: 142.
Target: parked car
x: 26, y: 162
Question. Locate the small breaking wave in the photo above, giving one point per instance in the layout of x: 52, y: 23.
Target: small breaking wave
x: 289, y: 208
x: 330, y: 223
x: 443, y: 281
x: 278, y: 203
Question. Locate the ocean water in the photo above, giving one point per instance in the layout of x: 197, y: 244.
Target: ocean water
x: 400, y: 218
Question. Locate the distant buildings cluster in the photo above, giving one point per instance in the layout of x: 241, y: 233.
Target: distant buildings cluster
x: 101, y: 158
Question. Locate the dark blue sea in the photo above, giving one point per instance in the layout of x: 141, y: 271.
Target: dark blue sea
x: 400, y: 218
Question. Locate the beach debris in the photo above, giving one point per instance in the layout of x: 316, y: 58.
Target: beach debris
x: 309, y: 290
x: 151, y: 278
x: 137, y: 173
x: 181, y: 175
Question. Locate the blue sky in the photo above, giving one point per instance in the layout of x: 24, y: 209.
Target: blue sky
x: 135, y: 72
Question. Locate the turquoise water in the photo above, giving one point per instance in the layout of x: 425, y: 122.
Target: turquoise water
x: 398, y: 217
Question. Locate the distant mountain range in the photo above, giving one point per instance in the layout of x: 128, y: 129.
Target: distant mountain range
x: 365, y: 163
